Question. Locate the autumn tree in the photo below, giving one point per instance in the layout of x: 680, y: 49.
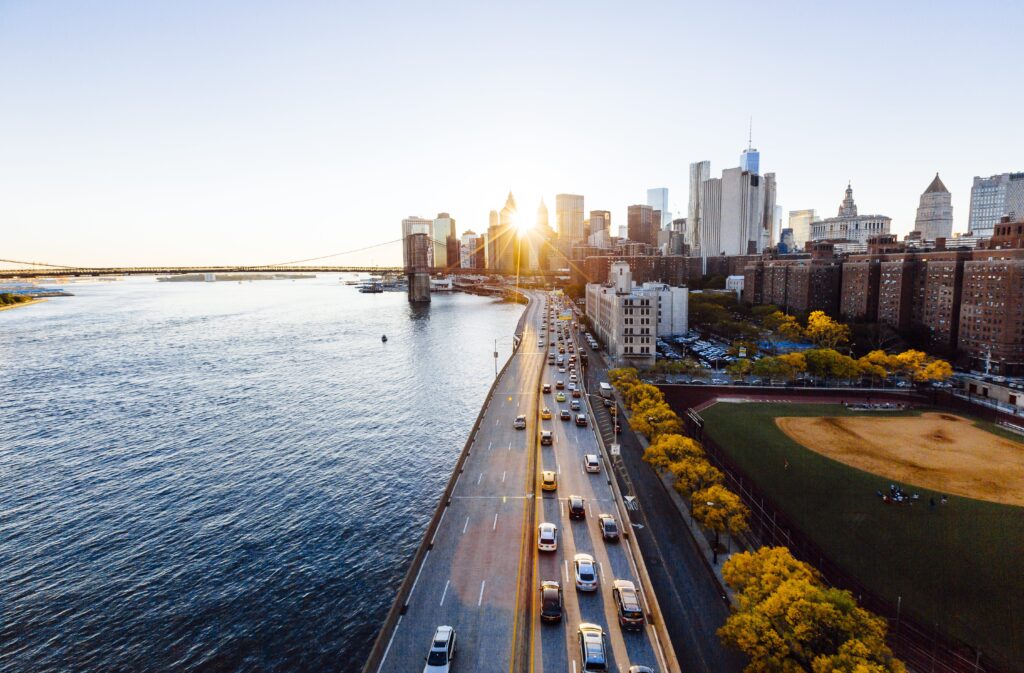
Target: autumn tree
x: 669, y: 448
x: 694, y: 474
x: 795, y: 362
x: 936, y: 370
x: 740, y: 367
x: 719, y: 509
x: 825, y: 332
x: 787, y: 620
x: 654, y: 419
x: 642, y: 394
x: 877, y: 364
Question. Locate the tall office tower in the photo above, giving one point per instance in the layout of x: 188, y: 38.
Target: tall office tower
x: 776, y: 225
x: 472, y: 251
x: 417, y: 256
x: 733, y: 213
x: 992, y: 198
x: 935, y: 212
x: 699, y: 172
x: 750, y: 160
x: 569, y: 217
x: 600, y: 221
x: 441, y: 230
x: 657, y: 198
x: 492, y: 236
x: 542, y: 215
x: 767, y: 206
x: 643, y: 224
x: 506, y: 247
x: 800, y: 222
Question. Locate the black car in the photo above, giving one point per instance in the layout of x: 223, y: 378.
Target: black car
x: 565, y: 415
x: 550, y: 602
x: 609, y: 528
x: 577, y: 508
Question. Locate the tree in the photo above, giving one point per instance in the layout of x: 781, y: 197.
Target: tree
x: 719, y: 509
x: 655, y: 418
x: 877, y: 364
x: 796, y: 362
x: 740, y: 367
x: 937, y: 370
x: 772, y: 368
x: 825, y: 332
x: 623, y: 377
x: 784, y: 325
x: 693, y: 473
x: 670, y: 448
x: 763, y: 311
x: 642, y: 394
x: 786, y: 620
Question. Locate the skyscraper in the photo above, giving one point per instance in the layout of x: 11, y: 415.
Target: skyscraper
x: 542, y: 215
x: 506, y: 246
x: 699, y: 172
x: 600, y: 225
x: 657, y: 199
x: 643, y: 224
x: 569, y: 217
x: 750, y: 160
x: 736, y: 213
x: 442, y: 229
x: 492, y: 235
x: 935, y: 212
x: 800, y: 223
x: 992, y: 198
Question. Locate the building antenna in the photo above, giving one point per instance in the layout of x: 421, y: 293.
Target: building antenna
x: 750, y: 134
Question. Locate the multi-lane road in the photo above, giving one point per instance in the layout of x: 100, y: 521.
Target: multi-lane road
x: 483, y: 570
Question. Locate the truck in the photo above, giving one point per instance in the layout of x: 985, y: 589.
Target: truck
x: 605, y: 389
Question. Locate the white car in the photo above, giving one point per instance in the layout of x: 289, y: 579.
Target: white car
x: 547, y: 537
x: 586, y: 572
x: 442, y: 651
x: 520, y: 422
x: 591, y: 463
x: 593, y: 652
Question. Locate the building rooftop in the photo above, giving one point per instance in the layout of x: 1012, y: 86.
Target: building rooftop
x: 936, y: 186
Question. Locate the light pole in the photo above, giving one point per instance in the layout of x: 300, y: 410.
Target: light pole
x: 714, y: 547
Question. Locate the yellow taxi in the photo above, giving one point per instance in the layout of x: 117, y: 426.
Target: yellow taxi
x: 548, y: 481
x: 545, y: 414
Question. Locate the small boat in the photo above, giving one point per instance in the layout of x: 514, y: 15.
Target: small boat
x: 384, y: 338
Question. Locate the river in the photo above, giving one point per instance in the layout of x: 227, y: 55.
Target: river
x: 224, y: 476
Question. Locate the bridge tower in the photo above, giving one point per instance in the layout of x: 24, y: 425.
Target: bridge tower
x: 417, y: 253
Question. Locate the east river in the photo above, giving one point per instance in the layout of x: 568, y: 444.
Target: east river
x: 224, y: 476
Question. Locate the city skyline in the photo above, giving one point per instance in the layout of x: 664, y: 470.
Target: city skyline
x: 260, y: 134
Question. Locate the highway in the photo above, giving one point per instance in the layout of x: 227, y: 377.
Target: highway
x: 555, y: 644
x: 469, y: 577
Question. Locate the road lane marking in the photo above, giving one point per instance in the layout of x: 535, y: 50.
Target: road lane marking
x: 503, y: 473
x: 479, y: 478
x: 510, y: 446
x: 494, y: 526
x: 496, y: 420
x: 390, y: 640
x: 465, y: 526
x: 489, y: 445
x: 573, y: 666
x: 415, y: 581
x: 559, y: 467
x: 445, y: 592
x: 565, y: 572
x: 480, y: 600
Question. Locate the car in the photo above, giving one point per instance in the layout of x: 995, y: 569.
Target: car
x: 545, y: 414
x: 574, y: 405
x: 546, y: 438
x: 591, y: 463
x: 581, y: 420
x: 585, y: 571
x: 442, y: 651
x: 548, y: 481
x: 560, y: 385
x: 576, y: 393
x: 565, y: 415
x: 640, y: 669
x: 550, y: 601
x: 577, y: 507
x: 609, y: 527
x: 573, y: 378
x: 560, y: 397
x: 561, y: 370
x: 546, y: 388
x: 593, y: 651
x: 547, y: 537
x: 627, y: 603
x: 520, y: 422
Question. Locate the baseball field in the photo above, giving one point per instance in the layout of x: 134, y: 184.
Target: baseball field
x: 956, y: 564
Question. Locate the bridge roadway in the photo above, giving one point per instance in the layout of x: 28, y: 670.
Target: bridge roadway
x: 482, y: 572
x: 470, y: 575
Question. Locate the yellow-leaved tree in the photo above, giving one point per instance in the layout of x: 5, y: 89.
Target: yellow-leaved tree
x: 825, y: 332
x: 642, y: 394
x: 693, y: 473
x: 719, y: 509
x: 669, y: 448
x: 654, y: 419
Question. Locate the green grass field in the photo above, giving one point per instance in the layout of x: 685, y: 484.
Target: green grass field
x: 960, y: 566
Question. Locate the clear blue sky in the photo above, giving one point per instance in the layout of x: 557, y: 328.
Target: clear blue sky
x: 192, y: 132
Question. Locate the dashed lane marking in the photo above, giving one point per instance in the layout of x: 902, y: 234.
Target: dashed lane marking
x: 445, y: 592
x: 465, y: 526
x: 480, y: 600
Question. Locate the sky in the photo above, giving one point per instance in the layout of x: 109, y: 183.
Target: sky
x: 143, y: 133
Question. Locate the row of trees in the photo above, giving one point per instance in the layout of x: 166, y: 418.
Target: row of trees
x: 711, y: 503
x: 829, y: 363
x: 9, y: 299
x: 786, y: 620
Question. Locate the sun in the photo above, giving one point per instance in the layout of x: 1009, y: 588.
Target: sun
x: 523, y: 225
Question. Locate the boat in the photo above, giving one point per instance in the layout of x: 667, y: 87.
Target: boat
x: 384, y: 338
x: 371, y: 288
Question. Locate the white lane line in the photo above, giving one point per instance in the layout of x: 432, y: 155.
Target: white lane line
x: 573, y: 666
x: 445, y: 592
x: 479, y: 478
x: 390, y: 640
x: 558, y: 466
x: 480, y: 600
x: 494, y: 526
x: 465, y: 526
x: 504, y: 472
x: 415, y: 581
x: 561, y: 506
x: 438, y: 529
x: 510, y: 446
x: 489, y: 445
x: 496, y: 420
x: 565, y: 571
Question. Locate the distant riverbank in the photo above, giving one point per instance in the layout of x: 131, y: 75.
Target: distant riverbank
x: 28, y: 302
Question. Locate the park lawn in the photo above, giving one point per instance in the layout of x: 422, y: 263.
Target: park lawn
x: 959, y: 566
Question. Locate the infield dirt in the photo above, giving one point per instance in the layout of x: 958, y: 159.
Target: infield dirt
x: 940, y: 451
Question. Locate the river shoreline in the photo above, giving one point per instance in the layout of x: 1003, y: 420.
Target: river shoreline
x: 24, y: 303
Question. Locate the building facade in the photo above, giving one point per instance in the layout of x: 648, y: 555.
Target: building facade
x: 699, y: 172
x: 736, y: 213
x: 800, y: 222
x: 993, y: 198
x: 643, y: 223
x: 657, y: 199
x: 569, y: 217
x: 848, y: 225
x: 935, y: 212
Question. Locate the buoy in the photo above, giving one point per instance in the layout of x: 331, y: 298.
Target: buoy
x: 384, y: 338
